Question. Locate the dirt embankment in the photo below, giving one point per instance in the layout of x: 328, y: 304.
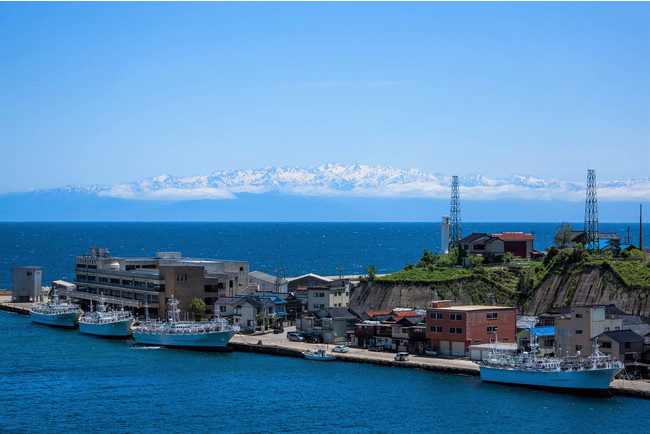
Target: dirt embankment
x: 591, y: 285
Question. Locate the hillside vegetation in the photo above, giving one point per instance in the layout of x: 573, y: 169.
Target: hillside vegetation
x: 566, y: 276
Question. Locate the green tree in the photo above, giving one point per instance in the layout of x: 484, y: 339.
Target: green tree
x: 428, y: 258
x: 563, y: 236
x: 508, y: 257
x: 197, y: 308
x: 371, y: 272
x: 476, y: 261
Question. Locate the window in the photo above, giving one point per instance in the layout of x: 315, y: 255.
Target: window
x: 505, y: 339
x: 477, y: 342
x: 628, y: 345
x: 606, y: 344
x: 578, y: 347
x: 491, y: 315
x: 564, y: 333
x: 456, y: 330
x: 456, y: 316
x: 222, y: 308
x: 491, y: 329
x: 578, y: 332
x: 436, y: 315
x: 436, y: 329
x: 578, y: 315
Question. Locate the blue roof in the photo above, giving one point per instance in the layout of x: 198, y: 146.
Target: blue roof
x: 543, y: 331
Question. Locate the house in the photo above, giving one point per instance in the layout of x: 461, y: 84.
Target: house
x: 329, y: 325
x: 409, y: 334
x: 246, y: 311
x: 474, y: 244
x: 451, y: 330
x: 335, y: 294
x: 268, y: 283
x: 622, y: 344
x: 305, y: 281
x: 545, y: 339
x: 293, y: 305
x: 574, y: 331
x: 517, y: 243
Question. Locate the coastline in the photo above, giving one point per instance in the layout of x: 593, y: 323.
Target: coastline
x: 279, y: 345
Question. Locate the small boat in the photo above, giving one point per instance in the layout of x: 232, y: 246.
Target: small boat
x: 108, y: 323
x: 593, y: 373
x: 213, y: 335
x: 55, y: 312
x: 320, y: 354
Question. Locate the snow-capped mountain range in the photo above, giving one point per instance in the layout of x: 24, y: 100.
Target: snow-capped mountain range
x: 360, y: 180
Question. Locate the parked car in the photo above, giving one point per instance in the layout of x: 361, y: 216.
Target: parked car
x: 340, y: 349
x: 402, y: 357
x: 293, y: 336
x: 375, y: 348
x: 430, y: 352
x: 277, y: 330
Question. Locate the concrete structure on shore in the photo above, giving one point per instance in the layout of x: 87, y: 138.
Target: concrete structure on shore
x: 26, y: 284
x: 135, y: 282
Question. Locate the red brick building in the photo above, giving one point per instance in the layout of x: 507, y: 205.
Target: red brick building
x: 451, y: 330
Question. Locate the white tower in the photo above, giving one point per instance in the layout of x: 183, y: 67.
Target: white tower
x: 445, y: 234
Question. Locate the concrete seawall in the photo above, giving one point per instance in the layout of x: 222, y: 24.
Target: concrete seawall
x: 279, y: 345
x: 15, y: 308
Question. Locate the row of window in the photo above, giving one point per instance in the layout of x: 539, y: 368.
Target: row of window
x: 452, y: 330
x: 459, y: 330
x: 459, y: 316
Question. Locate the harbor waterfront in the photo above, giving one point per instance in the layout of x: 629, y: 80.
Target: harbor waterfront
x: 45, y: 369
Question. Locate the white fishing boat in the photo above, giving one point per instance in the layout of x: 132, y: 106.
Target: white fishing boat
x: 55, y: 312
x: 593, y: 373
x: 104, y: 322
x: 320, y: 354
x: 213, y: 335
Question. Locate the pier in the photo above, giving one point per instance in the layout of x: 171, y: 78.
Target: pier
x: 278, y: 344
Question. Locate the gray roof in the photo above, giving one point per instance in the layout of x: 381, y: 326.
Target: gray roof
x: 624, y: 336
x: 229, y: 301
x: 472, y: 237
x: 336, y: 313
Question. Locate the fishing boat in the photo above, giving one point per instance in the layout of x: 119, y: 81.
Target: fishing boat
x: 104, y: 322
x: 173, y: 332
x: 55, y: 312
x: 320, y: 354
x: 593, y: 373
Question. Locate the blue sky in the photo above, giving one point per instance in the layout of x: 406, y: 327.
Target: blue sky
x: 95, y: 93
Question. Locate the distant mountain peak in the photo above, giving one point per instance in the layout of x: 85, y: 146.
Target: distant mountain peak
x: 335, y: 179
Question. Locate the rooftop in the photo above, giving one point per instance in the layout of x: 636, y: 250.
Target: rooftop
x: 471, y: 308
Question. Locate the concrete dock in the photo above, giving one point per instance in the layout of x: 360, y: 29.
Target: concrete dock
x: 279, y: 345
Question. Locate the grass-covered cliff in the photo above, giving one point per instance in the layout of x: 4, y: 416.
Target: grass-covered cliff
x: 565, y: 276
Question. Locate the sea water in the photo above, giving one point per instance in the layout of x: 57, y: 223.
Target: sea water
x: 290, y: 249
x: 55, y: 380
x: 58, y: 380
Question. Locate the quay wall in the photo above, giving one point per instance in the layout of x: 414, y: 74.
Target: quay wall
x: 636, y: 389
x: 14, y: 309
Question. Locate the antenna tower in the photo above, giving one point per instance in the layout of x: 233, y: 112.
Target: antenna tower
x: 455, y: 232
x: 591, y: 213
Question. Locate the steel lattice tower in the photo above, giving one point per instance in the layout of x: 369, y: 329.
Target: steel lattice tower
x: 455, y: 231
x: 591, y: 213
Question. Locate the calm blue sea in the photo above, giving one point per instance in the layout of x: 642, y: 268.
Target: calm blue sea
x: 59, y: 380
x: 297, y: 248
x: 62, y: 381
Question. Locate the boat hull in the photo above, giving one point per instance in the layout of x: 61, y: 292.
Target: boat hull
x: 205, y: 341
x: 585, y: 380
x: 115, y: 329
x: 68, y: 320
